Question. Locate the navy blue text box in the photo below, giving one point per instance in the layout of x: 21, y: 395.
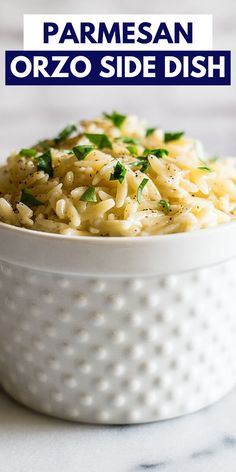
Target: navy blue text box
x: 94, y: 77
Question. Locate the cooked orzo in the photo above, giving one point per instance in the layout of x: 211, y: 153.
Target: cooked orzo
x: 113, y: 176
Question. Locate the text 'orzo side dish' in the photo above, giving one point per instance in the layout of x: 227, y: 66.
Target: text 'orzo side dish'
x: 114, y: 176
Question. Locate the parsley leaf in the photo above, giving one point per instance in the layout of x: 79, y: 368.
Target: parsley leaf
x: 165, y: 205
x: 82, y: 151
x: 205, y: 168
x: 116, y: 118
x: 132, y: 150
x: 100, y: 140
x: 89, y: 195
x: 150, y: 131
x: 141, y: 162
x: 128, y: 140
x: 28, y: 152
x: 28, y: 199
x: 65, y: 133
x: 45, y: 163
x: 140, y: 189
x: 44, y: 144
x: 173, y: 136
x: 145, y: 165
x: 159, y: 153
x: 119, y: 172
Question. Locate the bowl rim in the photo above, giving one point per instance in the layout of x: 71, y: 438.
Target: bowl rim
x: 106, y: 239
x: 116, y: 255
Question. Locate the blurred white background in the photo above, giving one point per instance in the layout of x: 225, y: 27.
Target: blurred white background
x: 29, y: 113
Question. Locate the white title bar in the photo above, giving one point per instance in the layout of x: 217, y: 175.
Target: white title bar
x: 118, y: 32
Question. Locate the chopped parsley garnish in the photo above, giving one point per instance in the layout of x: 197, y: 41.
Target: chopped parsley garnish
x: 89, y: 195
x: 205, y: 168
x: 82, y: 151
x: 100, y: 140
x: 165, y: 206
x: 128, y: 140
x: 45, y: 163
x: 173, y: 136
x: 65, y: 133
x: 132, y: 150
x: 159, y: 153
x: 150, y: 131
x: 141, y: 162
x: 28, y: 199
x: 28, y: 152
x: 205, y: 165
x: 116, y: 118
x: 119, y: 172
x: 44, y: 144
x: 145, y: 165
x: 140, y: 189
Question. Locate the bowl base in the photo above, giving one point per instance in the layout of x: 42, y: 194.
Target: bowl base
x: 106, y: 422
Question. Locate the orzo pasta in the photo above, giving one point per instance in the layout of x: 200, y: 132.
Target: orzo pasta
x: 113, y: 176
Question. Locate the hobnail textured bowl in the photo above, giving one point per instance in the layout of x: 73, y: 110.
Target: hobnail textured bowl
x: 117, y: 330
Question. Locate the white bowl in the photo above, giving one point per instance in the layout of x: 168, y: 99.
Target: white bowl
x: 117, y: 330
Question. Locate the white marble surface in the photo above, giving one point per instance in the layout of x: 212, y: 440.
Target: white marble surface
x: 203, y: 442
